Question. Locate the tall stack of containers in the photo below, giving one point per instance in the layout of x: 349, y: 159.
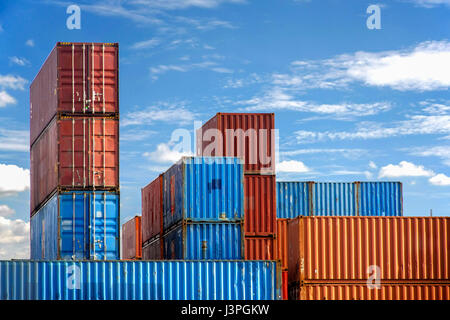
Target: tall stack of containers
x: 74, y: 138
x: 152, y: 220
x: 378, y: 258
x: 203, y: 209
x: 251, y: 137
x: 132, y: 239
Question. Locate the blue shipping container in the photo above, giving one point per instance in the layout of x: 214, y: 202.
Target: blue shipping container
x: 140, y: 280
x: 200, y: 241
x: 204, y: 189
x: 79, y: 225
x: 339, y: 199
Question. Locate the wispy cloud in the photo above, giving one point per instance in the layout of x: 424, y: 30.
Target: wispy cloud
x: 151, y: 43
x: 29, y: 43
x: 207, y: 65
x: 442, y: 152
x: 6, y: 99
x: 6, y: 211
x: 167, y: 153
x: 161, y: 112
x: 12, y: 82
x: 429, y: 3
x: 14, y: 140
x: 19, y: 61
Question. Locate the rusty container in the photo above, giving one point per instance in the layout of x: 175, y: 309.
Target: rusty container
x: 260, y: 205
x: 282, y: 242
x: 353, y: 248
x: 132, y: 239
x: 250, y: 136
x: 76, y: 79
x: 152, y: 209
x: 74, y: 153
x: 260, y: 248
x: 153, y: 249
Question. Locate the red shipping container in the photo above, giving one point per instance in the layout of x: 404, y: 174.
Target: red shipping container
x: 260, y: 248
x: 284, y: 285
x: 154, y: 249
x: 76, y: 78
x: 152, y: 209
x: 282, y: 242
x: 132, y: 239
x: 359, y: 248
x: 250, y: 136
x: 74, y: 153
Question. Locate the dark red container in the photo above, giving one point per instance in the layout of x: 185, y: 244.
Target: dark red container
x: 75, y: 153
x: 153, y: 250
x: 132, y: 239
x: 152, y: 209
x: 249, y: 136
x: 284, y: 285
x: 260, y: 248
x: 76, y: 78
x: 260, y: 205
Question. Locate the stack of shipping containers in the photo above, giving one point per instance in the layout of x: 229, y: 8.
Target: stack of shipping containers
x: 250, y: 136
x: 74, y: 138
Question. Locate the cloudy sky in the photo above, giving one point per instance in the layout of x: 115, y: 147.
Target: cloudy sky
x: 351, y: 103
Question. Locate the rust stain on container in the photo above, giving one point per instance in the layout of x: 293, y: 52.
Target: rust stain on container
x: 260, y: 205
x: 132, y: 239
x: 343, y: 248
x: 246, y: 135
x: 152, y: 209
x: 282, y: 242
x: 259, y: 248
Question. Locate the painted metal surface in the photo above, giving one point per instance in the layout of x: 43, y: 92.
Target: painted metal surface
x: 260, y: 205
x: 74, y: 153
x: 204, y: 189
x: 77, y: 225
x: 140, y: 280
x: 249, y: 136
x: 76, y: 78
x: 345, y: 248
x: 260, y: 248
x: 132, y: 239
x: 211, y: 241
x: 282, y: 242
x: 154, y: 249
x: 408, y: 291
x: 152, y: 209
x: 284, y: 285
x: 311, y: 198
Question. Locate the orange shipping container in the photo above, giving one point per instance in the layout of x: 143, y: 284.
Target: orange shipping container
x: 282, y: 242
x: 132, y: 239
x: 355, y: 248
x: 408, y: 291
x: 260, y: 248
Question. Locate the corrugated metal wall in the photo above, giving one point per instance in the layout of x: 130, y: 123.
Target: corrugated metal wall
x: 293, y: 199
x: 334, y: 199
x: 380, y: 199
x: 140, y: 280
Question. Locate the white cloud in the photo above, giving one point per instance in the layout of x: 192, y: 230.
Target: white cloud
x: 292, y: 166
x: 14, y: 140
x: 12, y: 82
x: 166, y: 153
x: 440, y: 180
x: 146, y: 44
x: 372, y: 165
x: 19, y: 61
x: 29, y: 43
x: 183, y: 4
x: 442, y: 152
x: 13, y: 179
x: 14, y: 239
x: 404, y: 169
x: 163, y: 112
x: 430, y: 3
x: 208, y: 65
x: 6, y: 211
x: 6, y: 99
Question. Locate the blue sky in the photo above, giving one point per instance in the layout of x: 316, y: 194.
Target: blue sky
x: 350, y: 103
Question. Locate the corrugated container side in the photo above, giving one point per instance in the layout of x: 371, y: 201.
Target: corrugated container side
x: 76, y: 78
x: 284, y: 285
x: 410, y: 291
x: 282, y: 242
x: 77, y: 225
x: 260, y: 248
x: 246, y: 135
x: 140, y: 280
x: 343, y: 248
x: 293, y: 199
x: 380, y: 199
x: 260, y: 205
x: 152, y: 209
x: 132, y: 239
x: 195, y: 241
x: 154, y: 249
x: 334, y: 199
x: 204, y: 189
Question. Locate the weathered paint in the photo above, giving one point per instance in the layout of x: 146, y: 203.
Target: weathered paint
x: 282, y: 242
x: 293, y: 199
x: 212, y: 241
x: 260, y: 248
x: 82, y: 225
x: 140, y: 280
x: 152, y: 209
x: 132, y: 239
x: 153, y: 249
x: 204, y: 189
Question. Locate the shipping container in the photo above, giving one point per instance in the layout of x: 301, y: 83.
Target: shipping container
x: 282, y: 242
x: 311, y: 198
x: 250, y: 136
x: 353, y: 248
x: 140, y: 280
x: 260, y: 205
x: 153, y: 249
x: 284, y: 285
x: 204, y: 189
x: 132, y: 239
x: 76, y: 78
x: 152, y: 209
x: 81, y: 225
x: 199, y: 241
x: 260, y: 248
x: 74, y: 153
x: 403, y: 291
